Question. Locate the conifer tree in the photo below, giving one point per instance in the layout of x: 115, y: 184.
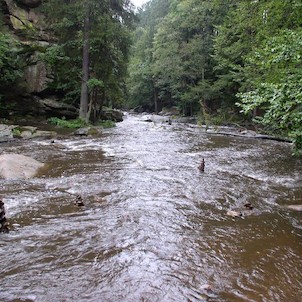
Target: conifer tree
x: 90, y: 32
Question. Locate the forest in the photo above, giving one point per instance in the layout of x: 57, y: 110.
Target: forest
x: 225, y: 61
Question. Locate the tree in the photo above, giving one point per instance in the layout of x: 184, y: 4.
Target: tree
x: 141, y: 85
x: 172, y: 62
x: 183, y: 49
x: 278, y: 84
x: 93, y: 40
x: 11, y: 68
x: 85, y: 63
x: 246, y: 24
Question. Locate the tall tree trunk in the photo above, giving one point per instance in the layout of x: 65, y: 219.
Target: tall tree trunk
x: 155, y: 97
x: 85, y: 65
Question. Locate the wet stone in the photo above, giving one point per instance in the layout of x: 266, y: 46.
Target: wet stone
x: 3, y: 222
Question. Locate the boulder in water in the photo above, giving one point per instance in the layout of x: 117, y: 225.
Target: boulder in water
x: 234, y: 214
x: 3, y: 222
x: 16, y: 166
x: 295, y: 207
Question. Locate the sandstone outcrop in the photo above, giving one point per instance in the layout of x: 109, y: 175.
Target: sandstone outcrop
x: 26, y: 23
x: 16, y: 166
x: 9, y: 132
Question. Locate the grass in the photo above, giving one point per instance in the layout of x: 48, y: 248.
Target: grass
x: 72, y: 124
x: 78, y: 123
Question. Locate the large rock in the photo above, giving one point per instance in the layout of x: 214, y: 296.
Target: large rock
x: 112, y: 115
x: 36, y: 77
x: 51, y: 107
x: 295, y: 207
x: 41, y: 107
x: 26, y: 23
x: 87, y: 131
x: 6, y: 131
x: 16, y: 166
x: 21, y: 18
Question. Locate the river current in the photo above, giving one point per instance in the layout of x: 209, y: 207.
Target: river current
x: 154, y: 228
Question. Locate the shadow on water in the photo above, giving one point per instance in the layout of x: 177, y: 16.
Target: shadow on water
x: 153, y: 227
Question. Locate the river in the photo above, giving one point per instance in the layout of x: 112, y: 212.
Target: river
x: 154, y: 228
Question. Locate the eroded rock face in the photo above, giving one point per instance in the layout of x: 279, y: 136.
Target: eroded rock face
x: 21, y: 18
x: 36, y: 77
x: 16, y: 166
x: 52, y: 107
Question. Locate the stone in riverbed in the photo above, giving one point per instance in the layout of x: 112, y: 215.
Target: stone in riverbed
x: 44, y: 134
x: 295, y: 207
x: 234, y: 213
x: 94, y: 131
x: 16, y: 166
x: 6, y: 131
x: 3, y: 222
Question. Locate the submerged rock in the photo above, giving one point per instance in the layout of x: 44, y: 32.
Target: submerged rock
x: 44, y: 134
x: 295, y: 207
x: 87, y: 131
x: 234, y: 213
x: 247, y: 210
x: 201, y: 166
x: 79, y: 201
x: 16, y: 166
x: 3, y: 222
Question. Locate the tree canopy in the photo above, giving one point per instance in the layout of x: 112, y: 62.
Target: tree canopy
x: 93, y: 48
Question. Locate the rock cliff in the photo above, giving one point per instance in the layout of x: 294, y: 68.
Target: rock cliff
x: 16, y: 166
x: 25, y: 22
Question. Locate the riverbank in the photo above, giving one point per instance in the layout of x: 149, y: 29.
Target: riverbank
x: 10, y: 132
x: 236, y: 131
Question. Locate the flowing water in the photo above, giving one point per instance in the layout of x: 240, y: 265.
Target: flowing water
x: 153, y: 228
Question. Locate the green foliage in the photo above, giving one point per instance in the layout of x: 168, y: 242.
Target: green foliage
x: 73, y: 124
x: 246, y: 24
x: 109, y: 40
x: 107, y: 124
x: 140, y: 83
x: 64, y: 65
x: 173, y: 62
x: 16, y: 132
x: 278, y: 84
x: 94, y: 83
x: 212, y: 54
x: 11, y: 68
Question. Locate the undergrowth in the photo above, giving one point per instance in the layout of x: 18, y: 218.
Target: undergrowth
x: 78, y: 123
x: 107, y: 124
x: 73, y: 124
